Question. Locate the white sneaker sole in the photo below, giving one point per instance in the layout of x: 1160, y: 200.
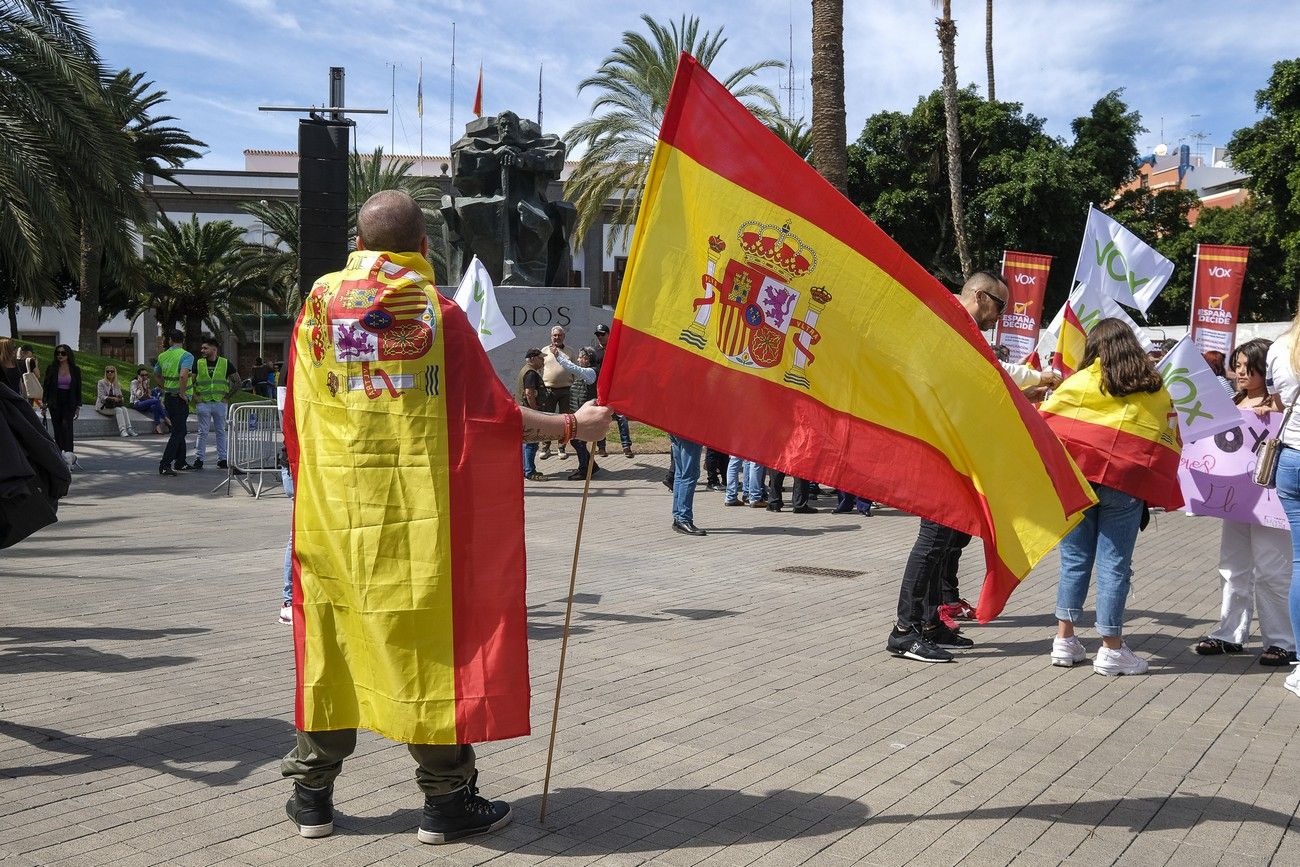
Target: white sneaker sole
x: 312, y: 832
x: 1117, y: 672
x: 434, y: 838
x: 1068, y: 661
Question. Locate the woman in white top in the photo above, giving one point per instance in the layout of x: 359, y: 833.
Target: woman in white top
x: 1284, y: 379
x: 1254, y: 560
x: 110, y: 402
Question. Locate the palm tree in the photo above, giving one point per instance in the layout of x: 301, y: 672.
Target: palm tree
x: 947, y: 29
x: 61, y: 156
x: 198, y: 275
x: 796, y: 134
x: 158, y: 149
x: 829, y: 135
x: 988, y: 46
x: 632, y: 85
x: 374, y: 172
x: 275, y: 263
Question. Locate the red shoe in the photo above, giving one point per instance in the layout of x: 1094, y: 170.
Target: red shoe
x: 948, y: 615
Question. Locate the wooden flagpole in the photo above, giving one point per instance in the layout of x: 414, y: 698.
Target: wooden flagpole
x: 564, y: 641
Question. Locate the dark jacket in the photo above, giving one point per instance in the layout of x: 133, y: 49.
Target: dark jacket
x: 33, y: 475
x: 51, y: 383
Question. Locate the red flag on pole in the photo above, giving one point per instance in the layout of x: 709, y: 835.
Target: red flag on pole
x: 478, y: 94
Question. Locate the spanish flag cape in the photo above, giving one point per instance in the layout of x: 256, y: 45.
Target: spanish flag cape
x: 775, y: 322
x: 408, y: 543
x: 1128, y: 443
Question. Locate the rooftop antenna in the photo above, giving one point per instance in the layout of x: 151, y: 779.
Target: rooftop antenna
x: 451, y: 104
x: 392, y: 109
x: 789, y: 86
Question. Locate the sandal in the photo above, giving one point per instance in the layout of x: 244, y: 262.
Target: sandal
x: 1277, y: 656
x: 1215, y: 647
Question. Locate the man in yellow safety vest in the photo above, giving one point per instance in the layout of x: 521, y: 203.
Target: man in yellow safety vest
x: 173, y: 371
x: 215, y: 381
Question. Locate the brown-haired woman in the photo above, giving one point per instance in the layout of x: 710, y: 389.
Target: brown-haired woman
x: 1117, y: 422
x: 10, y: 374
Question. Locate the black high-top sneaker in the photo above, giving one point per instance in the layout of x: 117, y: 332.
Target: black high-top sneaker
x: 312, y: 810
x: 461, y: 814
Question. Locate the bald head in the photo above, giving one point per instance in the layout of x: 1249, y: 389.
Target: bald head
x: 985, y: 296
x: 391, y: 221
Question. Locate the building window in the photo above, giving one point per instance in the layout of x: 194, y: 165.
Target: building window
x: 613, y: 282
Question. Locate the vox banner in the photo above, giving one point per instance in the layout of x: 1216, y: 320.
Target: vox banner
x: 1026, y: 276
x: 1216, y: 296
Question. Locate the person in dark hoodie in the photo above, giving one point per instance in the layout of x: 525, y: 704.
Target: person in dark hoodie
x: 33, y: 474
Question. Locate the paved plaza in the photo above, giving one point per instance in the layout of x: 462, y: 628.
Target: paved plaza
x: 727, y: 699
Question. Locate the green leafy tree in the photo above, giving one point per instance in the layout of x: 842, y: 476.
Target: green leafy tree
x: 157, y: 148
x: 632, y: 85
x: 1105, y: 146
x: 198, y: 275
x: 1269, y: 151
x: 1266, y: 295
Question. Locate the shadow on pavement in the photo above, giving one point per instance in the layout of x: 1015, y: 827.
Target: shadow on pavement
x: 577, y: 819
x: 30, y: 649
x: 238, y: 746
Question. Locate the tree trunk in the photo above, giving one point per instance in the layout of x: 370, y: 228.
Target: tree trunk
x: 193, y: 331
x: 947, y: 49
x: 92, y: 255
x: 988, y: 46
x: 13, y: 318
x: 829, y: 136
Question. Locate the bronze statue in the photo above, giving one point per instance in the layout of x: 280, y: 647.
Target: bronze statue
x: 498, y: 208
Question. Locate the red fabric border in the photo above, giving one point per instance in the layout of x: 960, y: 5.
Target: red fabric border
x: 290, y: 431
x: 490, y: 625
x: 1121, y: 460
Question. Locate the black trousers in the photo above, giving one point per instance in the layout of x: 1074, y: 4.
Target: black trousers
x: 798, y: 490
x: 920, y: 595
x: 715, y: 465
x: 178, y: 410
x: 62, y: 414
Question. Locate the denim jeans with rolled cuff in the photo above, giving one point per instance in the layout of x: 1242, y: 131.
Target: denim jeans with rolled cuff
x: 1105, y: 539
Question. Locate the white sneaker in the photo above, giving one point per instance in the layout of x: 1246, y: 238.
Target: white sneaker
x: 1067, y: 652
x: 123, y: 433
x: 131, y: 432
x: 286, y: 614
x: 1123, y: 661
x: 1292, y: 681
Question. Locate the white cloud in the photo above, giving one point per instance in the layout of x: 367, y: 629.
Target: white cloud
x: 271, y: 12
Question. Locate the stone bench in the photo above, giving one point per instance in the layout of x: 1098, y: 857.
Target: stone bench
x: 91, y: 425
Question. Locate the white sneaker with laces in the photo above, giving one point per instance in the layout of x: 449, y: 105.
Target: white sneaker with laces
x: 1067, y: 652
x: 286, y: 614
x: 1123, y: 661
x: 1292, y: 681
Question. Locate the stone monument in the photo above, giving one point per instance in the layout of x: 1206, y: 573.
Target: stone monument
x: 498, y: 209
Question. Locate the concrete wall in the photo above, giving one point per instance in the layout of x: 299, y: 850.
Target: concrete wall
x: 63, y: 324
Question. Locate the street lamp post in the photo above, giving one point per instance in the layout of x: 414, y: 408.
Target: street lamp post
x: 261, y: 317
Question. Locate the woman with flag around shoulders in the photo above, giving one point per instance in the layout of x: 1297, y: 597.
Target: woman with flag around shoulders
x: 1117, y: 421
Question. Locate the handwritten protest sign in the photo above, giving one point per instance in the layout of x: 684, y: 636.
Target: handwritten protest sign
x: 1215, y: 475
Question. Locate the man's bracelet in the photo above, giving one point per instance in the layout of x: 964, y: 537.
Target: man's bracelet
x: 570, y: 428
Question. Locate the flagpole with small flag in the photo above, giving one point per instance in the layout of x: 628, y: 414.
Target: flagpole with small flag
x: 419, y: 109
x: 478, y: 94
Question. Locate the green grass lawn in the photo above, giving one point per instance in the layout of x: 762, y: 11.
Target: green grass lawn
x: 92, y: 371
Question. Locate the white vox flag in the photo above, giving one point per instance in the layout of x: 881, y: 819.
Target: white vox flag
x: 1091, y: 306
x: 1204, y: 407
x: 1117, y: 263
x: 478, y: 298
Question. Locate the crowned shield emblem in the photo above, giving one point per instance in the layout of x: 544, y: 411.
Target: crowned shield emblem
x: 755, y: 315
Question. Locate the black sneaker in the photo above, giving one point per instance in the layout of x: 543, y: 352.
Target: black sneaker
x: 223, y: 465
x: 183, y: 467
x: 804, y: 510
x: 166, y: 471
x: 312, y: 810
x: 197, y: 465
x: 943, y: 635
x: 910, y: 645
x: 448, y: 818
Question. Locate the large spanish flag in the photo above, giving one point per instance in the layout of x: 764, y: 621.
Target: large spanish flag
x: 1128, y: 443
x: 763, y: 315
x: 408, y: 539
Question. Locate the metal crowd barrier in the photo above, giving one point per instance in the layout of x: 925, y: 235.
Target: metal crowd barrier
x: 255, y: 441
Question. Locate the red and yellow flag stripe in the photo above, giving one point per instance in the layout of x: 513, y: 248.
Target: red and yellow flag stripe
x: 1129, y: 443
x: 887, y: 390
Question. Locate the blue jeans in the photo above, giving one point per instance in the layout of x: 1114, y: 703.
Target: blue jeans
x: 530, y: 458
x: 1106, y: 537
x: 287, y: 480
x: 754, y: 481
x: 212, y: 414
x: 151, y: 406
x: 1288, y: 491
x: 686, y: 472
x: 734, y: 465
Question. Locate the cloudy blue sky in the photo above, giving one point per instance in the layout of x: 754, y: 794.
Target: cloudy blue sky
x: 1196, y: 64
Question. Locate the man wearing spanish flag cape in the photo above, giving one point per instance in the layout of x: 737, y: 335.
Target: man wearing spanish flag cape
x: 760, y: 285
x: 408, y: 545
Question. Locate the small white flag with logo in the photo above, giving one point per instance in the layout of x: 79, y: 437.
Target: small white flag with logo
x: 478, y: 298
x: 1091, y: 306
x: 1204, y: 407
x: 1119, y: 264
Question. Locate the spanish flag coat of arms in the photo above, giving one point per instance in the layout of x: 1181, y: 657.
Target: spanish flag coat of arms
x: 408, y: 544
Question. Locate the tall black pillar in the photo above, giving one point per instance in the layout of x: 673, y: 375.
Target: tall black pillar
x: 322, y: 199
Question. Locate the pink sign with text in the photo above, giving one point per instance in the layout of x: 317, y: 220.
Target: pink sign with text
x: 1215, y: 475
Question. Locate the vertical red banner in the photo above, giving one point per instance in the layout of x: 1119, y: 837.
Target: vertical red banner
x: 1026, y: 276
x: 1216, y: 296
